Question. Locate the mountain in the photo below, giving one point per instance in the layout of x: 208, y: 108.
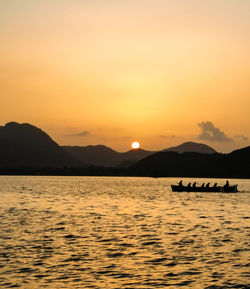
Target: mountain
x: 132, y: 156
x: 192, y: 147
x: 241, y: 154
x: 27, y: 145
x: 100, y: 155
x: 192, y: 164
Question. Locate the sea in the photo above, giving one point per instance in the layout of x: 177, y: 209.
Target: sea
x: 119, y: 232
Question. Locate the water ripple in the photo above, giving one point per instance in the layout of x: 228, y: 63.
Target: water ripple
x: 68, y: 232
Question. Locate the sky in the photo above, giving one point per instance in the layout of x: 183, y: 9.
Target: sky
x: 111, y: 72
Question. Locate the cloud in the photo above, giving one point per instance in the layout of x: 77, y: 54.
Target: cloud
x: 126, y: 137
x: 80, y: 134
x: 211, y: 133
x: 241, y: 137
x: 167, y: 136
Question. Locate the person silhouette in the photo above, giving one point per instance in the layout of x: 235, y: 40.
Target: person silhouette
x: 180, y: 183
x: 207, y: 185
x: 189, y: 188
x: 226, y: 186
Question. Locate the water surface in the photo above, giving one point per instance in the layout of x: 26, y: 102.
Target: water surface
x: 93, y: 232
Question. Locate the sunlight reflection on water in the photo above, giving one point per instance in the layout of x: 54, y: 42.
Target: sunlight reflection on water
x: 87, y: 232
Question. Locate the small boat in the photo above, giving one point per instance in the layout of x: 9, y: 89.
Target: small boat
x: 214, y: 189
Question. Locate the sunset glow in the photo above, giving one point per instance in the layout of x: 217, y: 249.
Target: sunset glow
x: 124, y: 143
x: 135, y: 145
x: 150, y: 69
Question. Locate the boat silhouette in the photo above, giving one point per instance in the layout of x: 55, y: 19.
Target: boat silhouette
x: 213, y: 189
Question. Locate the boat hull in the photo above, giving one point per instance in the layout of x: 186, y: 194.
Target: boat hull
x: 230, y: 189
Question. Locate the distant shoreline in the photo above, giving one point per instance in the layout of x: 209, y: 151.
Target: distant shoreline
x: 100, y: 172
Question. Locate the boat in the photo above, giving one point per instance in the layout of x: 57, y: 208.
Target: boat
x: 214, y: 189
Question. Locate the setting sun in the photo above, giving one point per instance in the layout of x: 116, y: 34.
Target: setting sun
x: 135, y: 145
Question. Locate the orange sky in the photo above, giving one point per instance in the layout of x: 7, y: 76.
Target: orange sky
x: 109, y: 72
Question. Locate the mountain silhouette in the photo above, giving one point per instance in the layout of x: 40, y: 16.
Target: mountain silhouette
x: 192, y: 164
x: 241, y: 154
x: 27, y: 145
x: 96, y: 155
x: 100, y: 155
x: 132, y: 156
x: 192, y: 147
x: 24, y: 145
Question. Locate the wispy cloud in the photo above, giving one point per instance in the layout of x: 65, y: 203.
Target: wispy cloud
x: 167, y: 136
x: 241, y: 137
x: 80, y: 134
x: 211, y: 133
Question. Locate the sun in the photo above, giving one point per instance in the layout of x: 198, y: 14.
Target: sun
x: 135, y: 145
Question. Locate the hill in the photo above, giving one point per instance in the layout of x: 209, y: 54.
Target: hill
x: 132, y: 156
x: 24, y: 145
x: 101, y: 155
x: 98, y: 155
x: 192, y: 164
x: 192, y: 147
x: 27, y: 145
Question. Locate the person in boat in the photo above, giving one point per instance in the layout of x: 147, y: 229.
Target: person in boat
x: 207, y: 185
x: 226, y: 185
x: 194, y: 185
x: 215, y: 185
x: 180, y: 183
x: 189, y: 185
x: 203, y: 185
